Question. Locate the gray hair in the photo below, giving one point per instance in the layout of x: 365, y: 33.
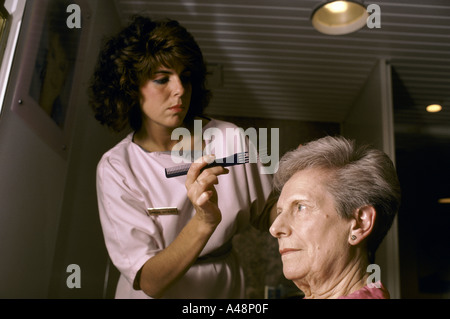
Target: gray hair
x: 359, y: 176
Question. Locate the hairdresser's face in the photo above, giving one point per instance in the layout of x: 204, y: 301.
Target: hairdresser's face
x: 165, y: 97
x: 312, y: 237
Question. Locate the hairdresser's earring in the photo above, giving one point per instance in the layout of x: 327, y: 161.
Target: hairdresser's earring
x: 353, y: 237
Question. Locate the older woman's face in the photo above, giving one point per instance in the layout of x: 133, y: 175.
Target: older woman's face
x: 312, y: 238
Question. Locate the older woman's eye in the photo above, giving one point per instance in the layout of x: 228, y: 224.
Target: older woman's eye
x: 301, y: 207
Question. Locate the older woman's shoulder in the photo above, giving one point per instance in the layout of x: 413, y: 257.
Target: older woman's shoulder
x: 371, y: 291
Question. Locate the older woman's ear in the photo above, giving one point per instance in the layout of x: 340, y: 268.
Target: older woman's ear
x: 362, y: 224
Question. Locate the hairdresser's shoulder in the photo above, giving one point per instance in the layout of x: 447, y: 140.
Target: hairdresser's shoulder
x: 118, y: 153
x: 221, y: 124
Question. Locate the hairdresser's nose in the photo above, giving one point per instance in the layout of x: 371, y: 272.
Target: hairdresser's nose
x: 178, y: 86
x: 280, y: 226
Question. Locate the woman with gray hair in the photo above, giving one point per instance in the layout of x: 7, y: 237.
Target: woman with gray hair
x: 336, y: 204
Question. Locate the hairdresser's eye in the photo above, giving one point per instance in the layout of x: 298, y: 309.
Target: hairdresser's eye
x: 163, y: 80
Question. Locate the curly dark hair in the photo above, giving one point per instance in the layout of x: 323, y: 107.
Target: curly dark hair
x: 127, y: 62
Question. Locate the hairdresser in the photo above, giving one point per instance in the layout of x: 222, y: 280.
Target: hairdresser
x: 169, y: 237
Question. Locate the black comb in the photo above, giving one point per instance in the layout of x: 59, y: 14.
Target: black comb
x: 236, y: 159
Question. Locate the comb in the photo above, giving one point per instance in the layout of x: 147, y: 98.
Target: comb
x: 235, y: 159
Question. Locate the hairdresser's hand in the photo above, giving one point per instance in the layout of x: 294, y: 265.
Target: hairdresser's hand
x: 201, y: 191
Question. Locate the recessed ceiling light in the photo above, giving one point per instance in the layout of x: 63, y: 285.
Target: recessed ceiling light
x: 339, y: 17
x: 337, y: 6
x: 433, y: 108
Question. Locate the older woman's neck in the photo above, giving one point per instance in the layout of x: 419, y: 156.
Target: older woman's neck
x: 338, y: 282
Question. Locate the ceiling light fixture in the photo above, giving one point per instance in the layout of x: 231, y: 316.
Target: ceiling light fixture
x: 444, y: 201
x: 339, y: 17
x: 433, y: 108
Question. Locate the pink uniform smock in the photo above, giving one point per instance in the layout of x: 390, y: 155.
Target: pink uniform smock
x: 372, y: 291
x: 130, y: 181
